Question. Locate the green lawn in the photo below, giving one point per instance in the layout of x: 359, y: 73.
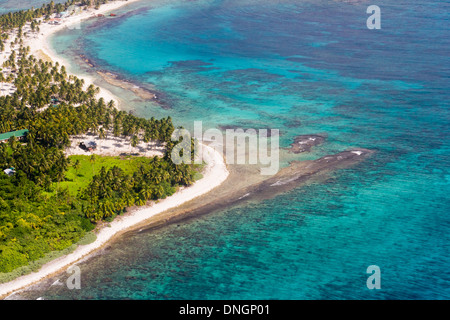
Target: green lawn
x: 76, y: 180
x: 80, y: 179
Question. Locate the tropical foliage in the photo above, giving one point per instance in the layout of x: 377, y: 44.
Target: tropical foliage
x: 37, y: 215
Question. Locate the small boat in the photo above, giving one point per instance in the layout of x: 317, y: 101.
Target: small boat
x: 112, y: 15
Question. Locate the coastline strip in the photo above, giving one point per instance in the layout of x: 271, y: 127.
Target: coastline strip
x: 41, y: 48
x: 214, y: 174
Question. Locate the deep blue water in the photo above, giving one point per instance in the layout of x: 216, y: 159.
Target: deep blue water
x: 302, y: 67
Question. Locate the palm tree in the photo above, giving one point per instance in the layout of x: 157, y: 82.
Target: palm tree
x: 111, y: 104
x: 102, y: 133
x: 159, y: 191
x: 12, y: 142
x: 147, y: 192
x: 128, y: 199
x: 134, y: 141
x: 60, y: 176
x: 140, y: 201
x: 77, y: 166
x: 106, y: 208
x: 117, y: 129
x: 120, y: 205
x: 2, y: 78
x: 92, y: 161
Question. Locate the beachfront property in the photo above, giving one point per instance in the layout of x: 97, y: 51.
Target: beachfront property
x: 62, y: 15
x: 19, y: 134
x: 55, y: 21
x: 58, y: 17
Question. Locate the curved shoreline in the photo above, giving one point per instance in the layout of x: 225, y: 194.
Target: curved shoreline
x: 41, y: 48
x: 233, y: 188
x: 214, y: 173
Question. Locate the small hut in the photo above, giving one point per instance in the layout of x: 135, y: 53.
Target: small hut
x: 10, y: 171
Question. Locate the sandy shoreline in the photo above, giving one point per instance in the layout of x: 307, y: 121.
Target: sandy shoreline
x: 214, y: 173
x: 238, y: 183
x: 41, y: 48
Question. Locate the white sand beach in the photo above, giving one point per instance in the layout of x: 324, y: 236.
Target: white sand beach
x: 41, y: 49
x: 214, y: 174
x: 114, y: 146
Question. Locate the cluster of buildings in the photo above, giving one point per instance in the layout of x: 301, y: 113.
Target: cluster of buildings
x: 64, y: 14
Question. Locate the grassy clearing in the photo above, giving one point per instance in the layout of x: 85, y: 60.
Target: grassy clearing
x: 77, y: 179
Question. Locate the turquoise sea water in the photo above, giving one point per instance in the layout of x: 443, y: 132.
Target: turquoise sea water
x: 303, y: 67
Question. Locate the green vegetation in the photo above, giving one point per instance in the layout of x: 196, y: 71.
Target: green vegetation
x: 35, y: 265
x: 16, y: 20
x: 52, y: 201
x: 79, y: 176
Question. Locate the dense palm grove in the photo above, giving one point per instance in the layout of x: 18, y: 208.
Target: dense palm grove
x: 36, y: 216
